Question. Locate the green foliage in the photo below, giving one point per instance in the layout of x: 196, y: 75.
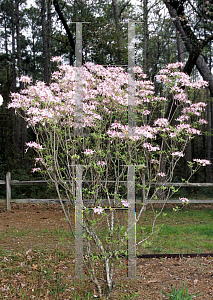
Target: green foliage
x: 180, y: 294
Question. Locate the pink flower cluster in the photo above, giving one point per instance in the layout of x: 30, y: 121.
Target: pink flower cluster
x: 184, y: 200
x: 98, y: 210
x: 33, y: 145
x: 162, y: 122
x: 100, y: 104
x: 195, y: 108
x: 125, y: 203
x: 161, y: 174
x: 36, y: 170
x: 25, y: 79
x: 88, y: 151
x: 149, y: 147
x: 203, y: 162
x: 178, y: 153
x: 101, y: 163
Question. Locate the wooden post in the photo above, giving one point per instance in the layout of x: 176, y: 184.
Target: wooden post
x: 131, y: 222
x: 8, y: 190
x: 79, y: 225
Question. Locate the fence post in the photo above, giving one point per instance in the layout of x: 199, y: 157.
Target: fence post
x: 131, y: 222
x: 8, y: 190
x: 79, y: 225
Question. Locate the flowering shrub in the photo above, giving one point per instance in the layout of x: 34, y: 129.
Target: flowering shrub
x: 108, y: 145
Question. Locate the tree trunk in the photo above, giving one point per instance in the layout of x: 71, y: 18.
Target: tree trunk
x: 180, y: 47
x: 66, y: 27
x: 193, y: 46
x: 49, y: 35
x: 18, y: 41
x: 13, y: 49
x: 118, y: 36
x: 146, y: 38
x: 44, y: 40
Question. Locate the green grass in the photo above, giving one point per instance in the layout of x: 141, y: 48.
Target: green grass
x: 180, y: 294
x: 189, y: 231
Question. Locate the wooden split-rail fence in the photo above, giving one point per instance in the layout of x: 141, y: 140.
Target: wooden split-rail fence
x: 8, y: 182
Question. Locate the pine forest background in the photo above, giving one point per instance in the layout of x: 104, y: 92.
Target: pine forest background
x: 32, y: 32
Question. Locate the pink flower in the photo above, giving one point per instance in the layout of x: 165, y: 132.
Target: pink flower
x: 149, y: 147
x: 194, y: 131
x: 203, y: 162
x: 200, y: 84
x: 182, y: 118
x: 146, y: 112
x: 25, y: 79
x: 39, y: 159
x: 138, y: 70
x: 88, y: 151
x: 179, y: 154
x: 98, y: 210
x: 154, y: 161
x: 173, y: 134
x: 158, y: 99
x: 183, y: 126
x: 36, y: 170
x: 101, y: 163
x: 125, y: 203
x: 33, y: 145
x: 175, y: 65
x: 116, y: 125
x: 162, y: 122
x: 57, y: 59
x: 202, y: 121
x: 163, y: 78
x: 184, y: 200
x: 113, y: 133
x: 161, y: 174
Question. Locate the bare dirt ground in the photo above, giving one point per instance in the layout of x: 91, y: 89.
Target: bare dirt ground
x: 153, y: 275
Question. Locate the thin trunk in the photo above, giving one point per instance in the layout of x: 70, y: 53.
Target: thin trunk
x: 13, y: 49
x: 44, y: 40
x: 20, y: 127
x: 49, y: 35
x: 146, y: 38
x: 6, y: 47
x: 66, y: 27
x: 18, y: 41
x: 188, y: 150
x: 33, y: 48
x: 118, y: 58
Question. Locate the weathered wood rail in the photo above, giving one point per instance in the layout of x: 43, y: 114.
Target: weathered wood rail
x: 8, y: 182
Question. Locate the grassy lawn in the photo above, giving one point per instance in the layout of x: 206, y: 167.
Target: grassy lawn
x: 187, y: 231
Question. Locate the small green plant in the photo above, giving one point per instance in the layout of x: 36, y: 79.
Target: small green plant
x: 180, y: 294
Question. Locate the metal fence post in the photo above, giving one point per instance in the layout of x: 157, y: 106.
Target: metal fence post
x: 8, y: 190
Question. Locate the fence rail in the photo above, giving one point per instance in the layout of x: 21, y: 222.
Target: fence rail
x: 8, y: 182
